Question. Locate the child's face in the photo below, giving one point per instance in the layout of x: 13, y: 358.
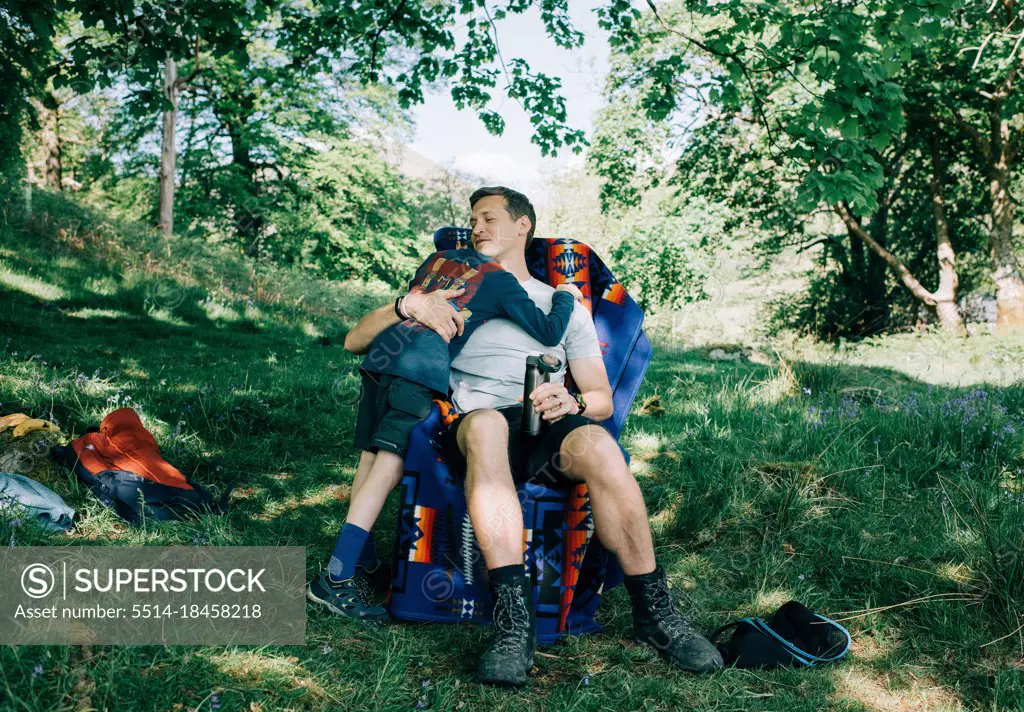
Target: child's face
x: 495, y: 233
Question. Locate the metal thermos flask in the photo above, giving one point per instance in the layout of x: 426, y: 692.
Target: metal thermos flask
x: 538, y: 370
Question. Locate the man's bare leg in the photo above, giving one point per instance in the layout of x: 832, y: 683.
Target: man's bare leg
x: 494, y: 507
x: 497, y: 519
x: 590, y: 454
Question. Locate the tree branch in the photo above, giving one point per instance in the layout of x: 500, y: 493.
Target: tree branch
x: 380, y: 31
x: 908, y: 279
x: 183, y: 82
x: 972, y: 132
x: 734, y: 56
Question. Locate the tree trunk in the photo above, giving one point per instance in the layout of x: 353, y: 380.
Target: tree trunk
x: 946, y: 309
x: 30, y: 184
x: 876, y: 294
x: 1005, y: 268
x: 248, y: 223
x: 49, y: 137
x: 167, y: 150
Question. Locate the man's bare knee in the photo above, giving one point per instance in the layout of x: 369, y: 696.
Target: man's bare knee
x: 482, y: 430
x: 591, y: 452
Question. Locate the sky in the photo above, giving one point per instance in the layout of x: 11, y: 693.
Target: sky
x: 448, y: 136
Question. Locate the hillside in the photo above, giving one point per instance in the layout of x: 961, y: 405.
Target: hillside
x: 878, y: 482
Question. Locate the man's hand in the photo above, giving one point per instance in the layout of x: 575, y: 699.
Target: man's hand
x: 553, y: 401
x: 433, y: 311
x: 571, y: 289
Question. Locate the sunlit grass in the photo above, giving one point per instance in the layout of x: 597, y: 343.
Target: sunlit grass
x: 100, y: 314
x: 849, y: 484
x: 31, y: 286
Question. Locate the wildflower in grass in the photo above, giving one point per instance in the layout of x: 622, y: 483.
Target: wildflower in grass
x: 849, y: 407
x: 37, y: 671
x: 807, y: 391
x: 817, y: 416
x: 326, y: 649
x: 586, y: 679
x: 802, y: 577
x: 215, y: 701
x: 911, y: 404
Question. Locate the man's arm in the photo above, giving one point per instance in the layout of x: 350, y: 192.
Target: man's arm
x: 553, y: 399
x: 591, y: 379
x: 428, y: 308
x: 358, y: 340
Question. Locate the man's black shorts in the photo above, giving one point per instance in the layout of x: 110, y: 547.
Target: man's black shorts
x: 537, y: 458
x: 390, y: 408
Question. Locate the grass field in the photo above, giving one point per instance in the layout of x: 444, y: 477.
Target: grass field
x: 881, y: 483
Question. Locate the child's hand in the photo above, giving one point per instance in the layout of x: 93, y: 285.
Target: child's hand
x: 571, y: 289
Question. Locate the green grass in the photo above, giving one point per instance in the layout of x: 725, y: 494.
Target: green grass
x: 856, y: 480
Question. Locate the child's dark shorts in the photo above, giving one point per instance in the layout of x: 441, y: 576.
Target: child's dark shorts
x: 390, y: 408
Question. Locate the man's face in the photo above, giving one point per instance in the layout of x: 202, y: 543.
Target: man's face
x: 495, y: 233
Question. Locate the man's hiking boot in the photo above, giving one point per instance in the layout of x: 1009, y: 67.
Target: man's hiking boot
x: 352, y: 597
x: 657, y: 623
x: 510, y: 655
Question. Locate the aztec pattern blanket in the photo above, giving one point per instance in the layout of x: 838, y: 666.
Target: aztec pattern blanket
x: 438, y: 569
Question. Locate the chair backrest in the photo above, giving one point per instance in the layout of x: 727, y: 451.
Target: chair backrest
x: 618, y: 319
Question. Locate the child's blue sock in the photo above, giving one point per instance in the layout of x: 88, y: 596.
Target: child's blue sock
x: 368, y: 559
x: 347, y: 551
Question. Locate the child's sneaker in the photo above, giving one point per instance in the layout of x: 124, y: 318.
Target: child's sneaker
x: 378, y: 579
x: 351, y: 597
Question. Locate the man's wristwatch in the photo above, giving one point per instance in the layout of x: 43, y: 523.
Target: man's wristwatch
x: 578, y: 397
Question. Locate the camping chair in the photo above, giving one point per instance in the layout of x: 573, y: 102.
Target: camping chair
x: 439, y: 572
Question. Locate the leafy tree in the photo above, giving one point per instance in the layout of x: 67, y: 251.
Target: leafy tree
x: 265, y: 87
x: 352, y: 216
x: 821, y: 105
x: 26, y: 28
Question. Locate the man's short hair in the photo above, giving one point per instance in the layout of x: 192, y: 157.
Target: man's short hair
x: 516, y: 204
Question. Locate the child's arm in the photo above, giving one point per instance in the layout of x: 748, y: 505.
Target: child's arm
x: 515, y: 303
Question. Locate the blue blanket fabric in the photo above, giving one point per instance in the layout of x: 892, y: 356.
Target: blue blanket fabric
x: 21, y: 495
x: 439, y: 573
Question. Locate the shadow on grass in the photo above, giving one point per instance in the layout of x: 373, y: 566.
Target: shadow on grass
x: 847, y: 486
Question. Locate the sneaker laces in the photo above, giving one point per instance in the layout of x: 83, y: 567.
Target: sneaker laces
x: 363, y: 588
x: 664, y: 612
x: 511, y: 620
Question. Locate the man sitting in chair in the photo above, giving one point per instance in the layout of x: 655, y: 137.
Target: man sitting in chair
x: 487, y: 388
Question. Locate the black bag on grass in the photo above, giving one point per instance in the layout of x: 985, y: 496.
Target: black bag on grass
x: 795, y: 636
x: 121, y: 463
